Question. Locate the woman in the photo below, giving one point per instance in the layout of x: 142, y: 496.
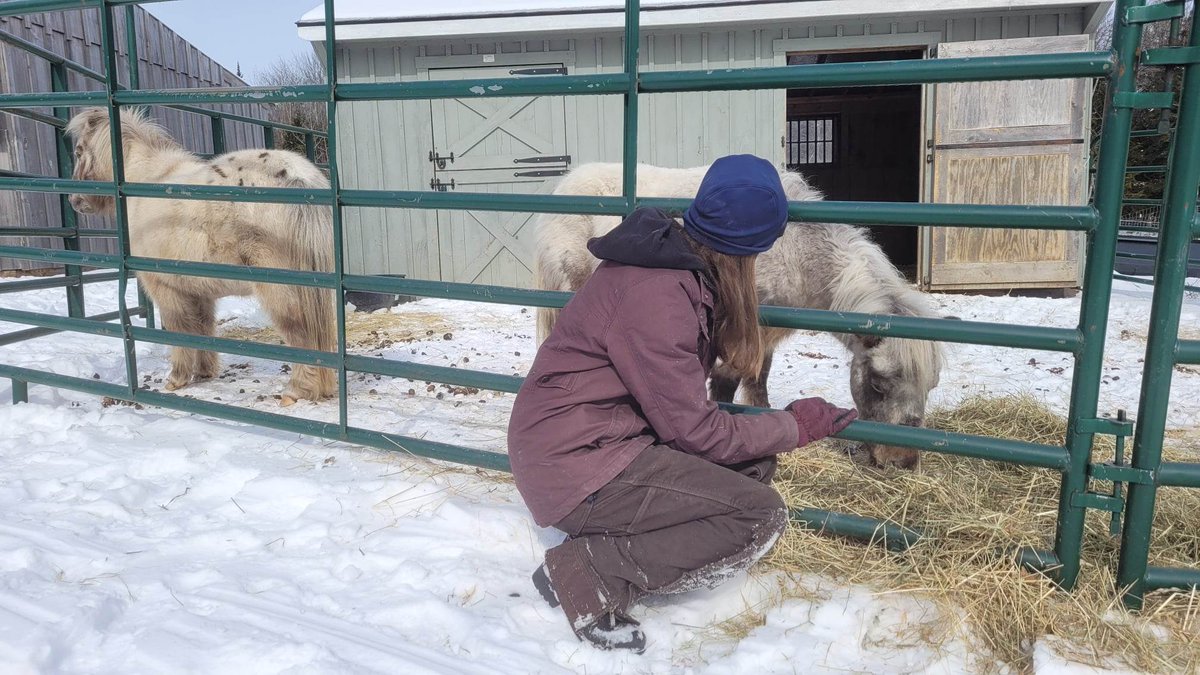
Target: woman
x: 613, y: 439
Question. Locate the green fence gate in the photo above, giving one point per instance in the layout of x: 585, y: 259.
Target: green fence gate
x: 1100, y: 220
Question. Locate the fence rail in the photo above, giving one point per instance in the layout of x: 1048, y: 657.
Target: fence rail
x: 1100, y: 220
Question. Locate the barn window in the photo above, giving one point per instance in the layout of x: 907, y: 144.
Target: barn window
x: 812, y: 139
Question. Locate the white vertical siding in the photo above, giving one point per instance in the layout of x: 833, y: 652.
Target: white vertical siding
x: 387, y: 147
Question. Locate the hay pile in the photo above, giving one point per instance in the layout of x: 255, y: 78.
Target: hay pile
x: 972, y: 511
x: 365, y: 331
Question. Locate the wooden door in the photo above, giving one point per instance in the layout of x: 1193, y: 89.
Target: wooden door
x: 497, y: 145
x: 1008, y: 142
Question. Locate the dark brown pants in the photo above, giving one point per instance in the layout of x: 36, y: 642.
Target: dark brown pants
x: 669, y: 523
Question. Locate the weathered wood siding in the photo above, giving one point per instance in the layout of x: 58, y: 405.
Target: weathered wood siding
x: 386, y: 144
x: 1017, y: 142
x: 164, y: 61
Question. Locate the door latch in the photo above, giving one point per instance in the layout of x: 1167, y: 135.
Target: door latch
x: 439, y: 160
x: 439, y: 186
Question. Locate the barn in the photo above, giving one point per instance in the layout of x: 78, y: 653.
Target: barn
x: 997, y: 143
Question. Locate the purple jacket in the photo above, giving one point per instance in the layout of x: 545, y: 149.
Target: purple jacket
x: 626, y: 366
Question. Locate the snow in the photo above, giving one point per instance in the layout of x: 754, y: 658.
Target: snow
x: 145, y: 540
x: 389, y: 9
x: 392, y: 20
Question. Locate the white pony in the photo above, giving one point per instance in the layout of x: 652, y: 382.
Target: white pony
x: 291, y: 236
x: 816, y: 265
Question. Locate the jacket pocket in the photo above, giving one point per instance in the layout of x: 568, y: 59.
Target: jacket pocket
x: 625, y: 424
x: 563, y: 381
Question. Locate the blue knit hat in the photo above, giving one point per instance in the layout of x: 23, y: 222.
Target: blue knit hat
x: 740, y: 209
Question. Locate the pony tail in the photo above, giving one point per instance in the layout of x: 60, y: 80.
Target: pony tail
x: 313, y: 250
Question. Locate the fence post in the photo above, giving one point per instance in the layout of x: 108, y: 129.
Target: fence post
x: 133, y: 64
x: 1175, y: 233
x: 268, y: 137
x: 68, y: 218
x: 1097, y: 292
x: 629, y: 151
x: 109, y: 53
x: 339, y: 292
x: 218, y: 134
x: 20, y: 391
x: 310, y: 147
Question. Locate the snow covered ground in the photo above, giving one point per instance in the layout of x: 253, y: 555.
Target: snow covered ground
x: 144, y: 540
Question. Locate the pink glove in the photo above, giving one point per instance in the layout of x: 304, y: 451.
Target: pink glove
x: 818, y: 418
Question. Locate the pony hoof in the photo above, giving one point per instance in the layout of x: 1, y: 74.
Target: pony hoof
x: 172, y: 386
x: 286, y: 401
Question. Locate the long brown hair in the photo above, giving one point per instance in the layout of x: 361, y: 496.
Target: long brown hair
x: 736, y: 333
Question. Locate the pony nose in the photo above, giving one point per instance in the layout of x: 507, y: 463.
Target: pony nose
x: 912, y: 421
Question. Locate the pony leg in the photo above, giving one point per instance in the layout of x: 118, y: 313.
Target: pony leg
x: 188, y: 314
x: 723, y: 384
x: 304, y: 316
x: 756, y: 387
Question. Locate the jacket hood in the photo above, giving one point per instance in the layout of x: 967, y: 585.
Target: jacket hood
x: 647, y: 238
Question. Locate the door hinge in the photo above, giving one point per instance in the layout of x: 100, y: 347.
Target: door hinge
x: 546, y: 173
x: 544, y: 159
x: 549, y: 70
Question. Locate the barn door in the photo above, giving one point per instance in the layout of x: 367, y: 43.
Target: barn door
x: 1010, y: 142
x: 498, y: 145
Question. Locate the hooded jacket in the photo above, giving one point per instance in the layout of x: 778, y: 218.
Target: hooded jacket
x: 626, y: 366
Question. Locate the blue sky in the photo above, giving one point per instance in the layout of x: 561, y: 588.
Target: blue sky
x: 252, y: 32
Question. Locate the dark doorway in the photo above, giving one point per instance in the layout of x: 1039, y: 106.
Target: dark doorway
x: 860, y: 144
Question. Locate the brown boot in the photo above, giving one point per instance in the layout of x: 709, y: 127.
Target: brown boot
x: 614, y: 631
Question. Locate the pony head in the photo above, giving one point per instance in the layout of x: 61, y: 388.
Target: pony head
x: 890, y: 380
x: 89, y: 130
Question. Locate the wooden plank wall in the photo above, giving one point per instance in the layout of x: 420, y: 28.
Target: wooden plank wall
x: 165, y: 61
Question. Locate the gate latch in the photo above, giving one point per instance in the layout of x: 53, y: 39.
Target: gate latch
x: 439, y: 160
x: 1117, y: 471
x: 440, y: 186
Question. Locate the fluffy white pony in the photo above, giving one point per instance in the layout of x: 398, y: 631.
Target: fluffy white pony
x: 291, y: 236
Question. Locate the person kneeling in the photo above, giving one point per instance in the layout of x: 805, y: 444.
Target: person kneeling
x: 613, y: 438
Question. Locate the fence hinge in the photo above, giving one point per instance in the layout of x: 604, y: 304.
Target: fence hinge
x: 1120, y: 473
x: 1104, y: 425
x: 1095, y: 500
x: 1143, y: 100
x: 1170, y: 56
x: 1151, y: 13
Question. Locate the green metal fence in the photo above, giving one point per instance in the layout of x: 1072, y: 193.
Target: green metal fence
x: 1100, y: 220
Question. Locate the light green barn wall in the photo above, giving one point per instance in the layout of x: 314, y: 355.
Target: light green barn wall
x: 385, y: 145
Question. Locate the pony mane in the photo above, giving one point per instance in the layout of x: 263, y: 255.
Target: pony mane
x: 92, y: 126
x: 868, y: 282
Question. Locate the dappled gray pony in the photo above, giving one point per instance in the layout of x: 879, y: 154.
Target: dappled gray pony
x: 816, y: 265
x: 291, y: 236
